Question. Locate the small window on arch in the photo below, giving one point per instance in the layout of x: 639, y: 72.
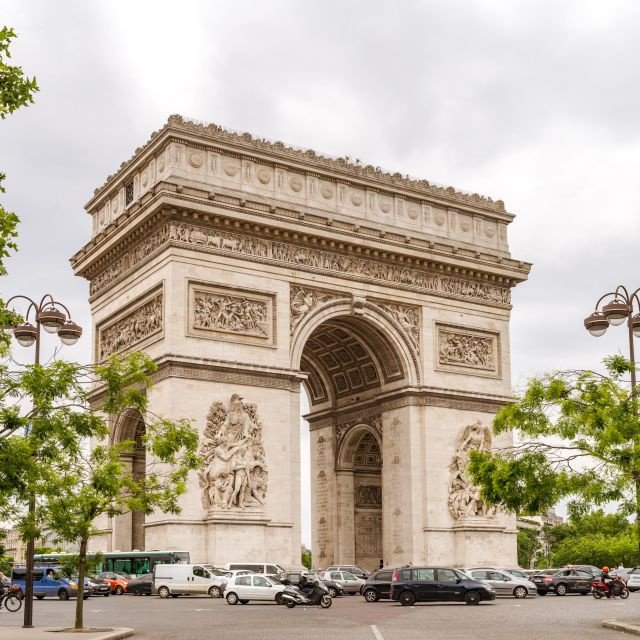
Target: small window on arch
x: 128, y: 193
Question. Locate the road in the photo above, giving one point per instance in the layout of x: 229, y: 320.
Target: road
x: 350, y: 618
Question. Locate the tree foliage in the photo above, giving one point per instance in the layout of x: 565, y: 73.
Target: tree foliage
x: 577, y: 435
x: 528, y: 547
x: 305, y: 557
x: 48, y: 456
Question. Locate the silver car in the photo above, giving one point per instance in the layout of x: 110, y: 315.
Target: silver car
x: 505, y: 584
x: 347, y: 581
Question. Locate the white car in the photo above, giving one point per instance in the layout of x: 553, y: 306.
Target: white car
x: 345, y: 580
x: 633, y: 581
x: 245, y: 588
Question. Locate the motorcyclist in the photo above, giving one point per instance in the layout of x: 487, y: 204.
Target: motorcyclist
x: 607, y: 580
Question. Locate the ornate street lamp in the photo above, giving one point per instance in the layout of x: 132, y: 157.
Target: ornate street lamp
x: 53, y: 317
x: 621, y: 306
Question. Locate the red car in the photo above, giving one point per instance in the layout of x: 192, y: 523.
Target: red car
x: 118, y: 582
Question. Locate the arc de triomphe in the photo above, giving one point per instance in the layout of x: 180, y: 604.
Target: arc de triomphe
x: 248, y: 269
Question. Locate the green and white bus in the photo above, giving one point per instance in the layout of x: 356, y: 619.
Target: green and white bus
x: 131, y: 563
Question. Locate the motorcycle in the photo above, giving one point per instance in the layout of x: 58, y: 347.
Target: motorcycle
x: 617, y: 589
x: 319, y: 595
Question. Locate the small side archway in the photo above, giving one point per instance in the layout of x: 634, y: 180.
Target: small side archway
x: 128, y: 528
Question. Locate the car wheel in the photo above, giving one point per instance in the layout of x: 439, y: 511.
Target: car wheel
x: 243, y: 601
x: 561, y: 589
x: 333, y: 592
x: 371, y: 595
x: 164, y: 592
x: 472, y: 598
x: 40, y: 597
x: 106, y: 595
x: 119, y: 590
x: 137, y: 591
x: 215, y: 592
x: 279, y: 598
x: 232, y: 598
x: 63, y: 594
x: 407, y: 598
x: 290, y: 604
x: 520, y: 592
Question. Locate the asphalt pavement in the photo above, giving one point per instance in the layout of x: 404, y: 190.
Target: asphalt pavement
x: 350, y: 618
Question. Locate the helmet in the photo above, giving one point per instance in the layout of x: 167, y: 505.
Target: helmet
x: 605, y: 569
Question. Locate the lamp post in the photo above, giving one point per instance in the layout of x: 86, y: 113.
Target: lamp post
x: 47, y: 314
x: 620, y: 307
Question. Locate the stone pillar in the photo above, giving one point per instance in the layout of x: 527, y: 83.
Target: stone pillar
x: 345, y: 552
x: 323, y: 496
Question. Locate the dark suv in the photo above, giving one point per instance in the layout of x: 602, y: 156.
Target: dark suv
x: 563, y: 581
x: 437, y: 584
x: 378, y: 585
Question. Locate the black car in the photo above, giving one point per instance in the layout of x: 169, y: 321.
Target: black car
x: 141, y: 585
x: 378, y: 585
x: 563, y: 581
x: 437, y: 584
x: 293, y: 578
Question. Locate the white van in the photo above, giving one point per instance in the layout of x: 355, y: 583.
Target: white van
x: 186, y: 579
x: 264, y: 568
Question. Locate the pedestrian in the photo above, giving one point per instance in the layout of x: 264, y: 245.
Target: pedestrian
x: 5, y: 581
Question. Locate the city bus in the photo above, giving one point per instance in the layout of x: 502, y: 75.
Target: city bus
x: 131, y: 563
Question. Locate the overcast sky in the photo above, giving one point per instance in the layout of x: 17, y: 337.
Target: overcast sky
x: 536, y: 103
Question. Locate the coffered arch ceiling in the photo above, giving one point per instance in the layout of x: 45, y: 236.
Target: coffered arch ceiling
x: 347, y: 357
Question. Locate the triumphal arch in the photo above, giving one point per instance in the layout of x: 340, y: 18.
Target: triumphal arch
x: 249, y: 269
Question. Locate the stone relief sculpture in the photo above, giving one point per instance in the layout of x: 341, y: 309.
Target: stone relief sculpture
x: 466, y: 350
x: 234, y: 474
x: 234, y: 314
x: 464, y: 496
x: 369, y: 495
x: 131, y: 329
x: 408, y: 318
x: 304, y: 300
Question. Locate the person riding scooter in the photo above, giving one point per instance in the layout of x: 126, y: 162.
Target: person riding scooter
x: 607, y: 580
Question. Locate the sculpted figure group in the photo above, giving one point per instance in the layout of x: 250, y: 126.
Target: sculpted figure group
x: 235, y: 470
x: 464, y: 496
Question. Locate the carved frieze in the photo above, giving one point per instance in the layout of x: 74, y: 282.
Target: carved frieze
x: 303, y: 300
x: 464, y: 496
x: 341, y: 429
x: 306, y: 259
x: 131, y: 328
x: 368, y: 495
x: 234, y: 473
x: 225, y: 313
x: 467, y: 350
x: 408, y: 317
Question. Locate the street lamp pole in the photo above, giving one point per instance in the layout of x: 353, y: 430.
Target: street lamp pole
x: 47, y: 315
x: 621, y: 306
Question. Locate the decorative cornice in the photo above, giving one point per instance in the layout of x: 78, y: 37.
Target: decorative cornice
x: 315, y: 161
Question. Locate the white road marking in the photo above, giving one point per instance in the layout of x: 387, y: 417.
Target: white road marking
x: 376, y: 632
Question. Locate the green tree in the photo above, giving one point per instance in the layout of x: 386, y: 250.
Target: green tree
x: 16, y: 91
x: 306, y: 557
x: 50, y: 460
x: 579, y: 437
x: 528, y: 547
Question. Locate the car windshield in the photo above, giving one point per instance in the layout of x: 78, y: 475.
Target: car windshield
x: 273, y: 580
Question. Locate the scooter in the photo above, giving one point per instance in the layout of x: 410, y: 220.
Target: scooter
x: 616, y: 589
x: 319, y: 595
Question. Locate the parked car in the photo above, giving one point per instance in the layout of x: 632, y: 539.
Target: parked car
x: 142, y: 585
x: 589, y: 568
x: 345, y: 580
x: 264, y: 568
x: 518, y: 573
x: 293, y: 578
x: 563, y: 581
x: 117, y: 582
x: 437, y: 584
x: 47, y: 583
x: 96, y: 586
x: 633, y: 581
x: 186, y: 579
x: 350, y: 568
x: 504, y: 584
x: 378, y: 585
x: 230, y: 575
x: 245, y: 588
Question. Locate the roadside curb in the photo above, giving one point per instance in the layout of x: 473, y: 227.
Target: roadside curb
x: 61, y: 633
x: 617, y: 625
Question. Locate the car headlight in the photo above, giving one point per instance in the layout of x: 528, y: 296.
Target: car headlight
x: 490, y: 588
x: 72, y: 584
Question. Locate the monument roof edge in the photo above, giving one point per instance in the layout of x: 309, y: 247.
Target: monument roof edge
x: 179, y: 124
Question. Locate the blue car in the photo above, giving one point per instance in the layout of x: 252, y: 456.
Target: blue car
x: 47, y: 583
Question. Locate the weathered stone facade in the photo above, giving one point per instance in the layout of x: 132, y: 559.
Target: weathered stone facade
x: 246, y: 269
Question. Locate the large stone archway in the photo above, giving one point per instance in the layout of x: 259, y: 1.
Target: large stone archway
x: 246, y: 269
